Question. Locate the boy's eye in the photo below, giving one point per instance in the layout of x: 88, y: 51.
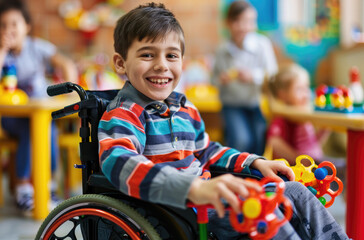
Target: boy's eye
x: 146, y: 55
x: 172, y: 55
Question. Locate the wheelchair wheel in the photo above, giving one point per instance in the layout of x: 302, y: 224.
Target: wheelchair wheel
x: 95, y: 217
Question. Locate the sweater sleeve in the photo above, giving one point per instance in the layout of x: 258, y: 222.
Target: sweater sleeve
x: 122, y: 140
x: 214, y: 156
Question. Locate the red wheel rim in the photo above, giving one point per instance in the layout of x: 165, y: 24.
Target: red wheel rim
x: 93, y: 212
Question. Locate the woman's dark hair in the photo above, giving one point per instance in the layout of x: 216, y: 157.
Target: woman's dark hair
x: 6, y: 5
x: 236, y: 8
x: 151, y: 21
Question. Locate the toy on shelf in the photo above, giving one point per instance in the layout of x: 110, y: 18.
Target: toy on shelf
x: 258, y: 217
x: 317, y: 178
x: 336, y: 99
x: 9, y: 94
x: 355, y: 86
x: 341, y: 99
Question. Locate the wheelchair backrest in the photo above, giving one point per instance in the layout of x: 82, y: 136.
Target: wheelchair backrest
x: 94, y: 109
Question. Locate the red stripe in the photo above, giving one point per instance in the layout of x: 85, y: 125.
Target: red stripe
x: 135, y: 108
x: 170, y: 157
x: 192, y: 112
x: 136, y: 177
x: 123, y: 114
x: 215, y: 158
x: 109, y: 143
x: 239, y: 162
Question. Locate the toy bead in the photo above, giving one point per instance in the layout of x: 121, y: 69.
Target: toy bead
x: 252, y: 208
x: 320, y: 173
x: 322, y: 200
x: 262, y: 227
x: 270, y: 194
x: 240, y: 218
x: 314, y: 191
x: 321, y: 101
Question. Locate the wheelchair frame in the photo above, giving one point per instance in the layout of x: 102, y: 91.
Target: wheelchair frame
x: 94, y: 183
x: 101, y: 207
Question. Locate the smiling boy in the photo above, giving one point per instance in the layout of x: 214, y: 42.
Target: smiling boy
x: 153, y: 143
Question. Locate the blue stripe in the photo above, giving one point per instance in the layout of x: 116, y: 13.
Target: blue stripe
x: 147, y: 181
x: 109, y: 157
x: 184, y: 115
x: 158, y: 128
x: 160, y: 139
x: 182, y: 125
x: 122, y: 128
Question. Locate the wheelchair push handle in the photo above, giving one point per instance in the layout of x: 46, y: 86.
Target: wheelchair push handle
x: 66, y: 87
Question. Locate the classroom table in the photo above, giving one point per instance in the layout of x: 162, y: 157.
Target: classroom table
x: 353, y: 124
x: 39, y: 113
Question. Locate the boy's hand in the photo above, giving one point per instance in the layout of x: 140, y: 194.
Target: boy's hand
x: 272, y: 168
x: 225, y: 186
x: 6, y: 43
x: 224, y: 78
x: 245, y: 76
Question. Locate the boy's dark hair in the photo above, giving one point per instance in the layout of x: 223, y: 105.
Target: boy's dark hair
x: 19, y: 5
x: 151, y: 21
x: 236, y: 8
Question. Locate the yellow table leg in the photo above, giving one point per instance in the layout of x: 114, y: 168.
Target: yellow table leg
x: 41, y: 161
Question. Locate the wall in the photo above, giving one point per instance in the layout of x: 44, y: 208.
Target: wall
x: 200, y: 20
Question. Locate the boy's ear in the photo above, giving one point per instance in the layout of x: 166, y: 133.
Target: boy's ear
x: 119, y: 63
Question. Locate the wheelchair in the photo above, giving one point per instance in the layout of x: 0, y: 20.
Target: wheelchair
x: 103, y: 212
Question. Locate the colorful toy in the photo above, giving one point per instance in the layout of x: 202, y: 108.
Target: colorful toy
x: 355, y: 86
x: 336, y: 99
x: 258, y: 217
x: 341, y: 99
x: 9, y: 94
x: 316, y: 178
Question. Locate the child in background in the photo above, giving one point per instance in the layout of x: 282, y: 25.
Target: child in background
x: 31, y: 56
x: 240, y: 68
x: 288, y: 139
x: 153, y: 144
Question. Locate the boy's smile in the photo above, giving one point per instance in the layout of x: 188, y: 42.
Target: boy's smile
x: 153, y: 67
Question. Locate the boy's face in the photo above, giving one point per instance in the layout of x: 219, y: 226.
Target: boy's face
x: 245, y: 23
x: 153, y: 68
x: 13, y: 29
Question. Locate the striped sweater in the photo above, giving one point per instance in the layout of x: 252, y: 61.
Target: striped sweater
x: 154, y: 150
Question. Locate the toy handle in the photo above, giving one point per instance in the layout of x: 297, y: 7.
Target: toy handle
x: 327, y: 180
x: 334, y: 194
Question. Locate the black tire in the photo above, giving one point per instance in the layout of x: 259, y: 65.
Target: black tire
x: 93, y: 216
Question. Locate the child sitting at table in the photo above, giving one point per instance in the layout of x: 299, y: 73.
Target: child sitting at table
x: 31, y: 56
x: 152, y: 140
x: 289, y: 139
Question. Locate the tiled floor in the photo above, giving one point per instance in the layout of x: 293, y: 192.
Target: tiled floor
x: 14, y: 226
